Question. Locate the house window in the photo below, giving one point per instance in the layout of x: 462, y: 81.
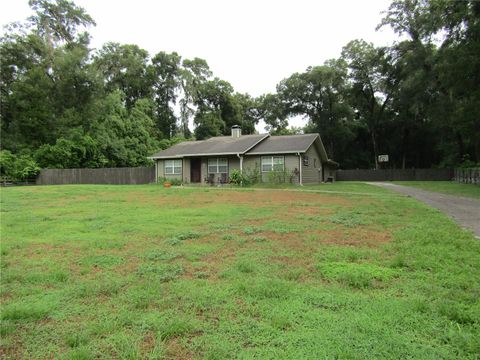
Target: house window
x: 173, y: 167
x: 217, y: 166
x: 273, y: 163
x: 315, y: 162
x: 305, y: 161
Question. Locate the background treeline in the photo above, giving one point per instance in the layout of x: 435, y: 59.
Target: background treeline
x: 65, y: 105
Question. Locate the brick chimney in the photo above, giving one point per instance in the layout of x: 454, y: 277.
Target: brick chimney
x: 236, y: 131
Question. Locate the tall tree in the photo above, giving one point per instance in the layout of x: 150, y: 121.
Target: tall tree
x: 456, y: 66
x: 273, y: 111
x: 373, y: 83
x: 58, y: 21
x: 194, y: 74
x: 414, y: 93
x: 44, y: 81
x: 319, y: 94
x: 167, y: 81
x: 216, y: 109
x: 125, y: 68
x: 127, y: 135
x: 247, y: 108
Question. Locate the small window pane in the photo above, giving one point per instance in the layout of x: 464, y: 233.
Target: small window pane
x: 267, y: 163
x: 267, y: 160
x: 217, y: 165
x: 173, y: 167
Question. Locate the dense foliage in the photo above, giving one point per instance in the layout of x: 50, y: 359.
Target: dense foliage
x: 64, y: 105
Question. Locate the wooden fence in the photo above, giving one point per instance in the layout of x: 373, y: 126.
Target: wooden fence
x: 145, y: 175
x: 127, y: 175
x: 395, y: 175
x: 467, y: 175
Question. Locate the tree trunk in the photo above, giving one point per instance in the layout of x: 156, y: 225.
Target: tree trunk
x: 375, y: 150
x: 404, y: 145
x: 476, y: 145
x: 461, y: 147
x: 331, y: 150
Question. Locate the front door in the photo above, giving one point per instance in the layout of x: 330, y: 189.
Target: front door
x: 195, y: 170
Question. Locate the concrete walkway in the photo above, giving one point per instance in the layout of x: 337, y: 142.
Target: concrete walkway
x: 464, y: 211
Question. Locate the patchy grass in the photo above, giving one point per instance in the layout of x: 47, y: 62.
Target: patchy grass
x: 336, y: 187
x: 357, y: 275
x: 344, y: 270
x: 446, y: 187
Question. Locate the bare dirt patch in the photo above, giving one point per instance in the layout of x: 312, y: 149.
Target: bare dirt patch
x: 213, y: 262
x: 304, y: 262
x: 358, y: 236
x: 148, y: 343
x: 12, y: 351
x: 254, y: 198
x: 175, y: 350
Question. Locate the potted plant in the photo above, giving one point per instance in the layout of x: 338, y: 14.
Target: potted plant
x: 167, y: 184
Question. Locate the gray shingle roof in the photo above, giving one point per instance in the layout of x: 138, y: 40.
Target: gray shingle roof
x: 284, y: 144
x: 220, y: 145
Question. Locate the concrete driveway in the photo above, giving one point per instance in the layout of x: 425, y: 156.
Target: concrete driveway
x: 465, y: 211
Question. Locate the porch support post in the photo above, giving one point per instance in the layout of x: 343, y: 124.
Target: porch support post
x: 300, y: 168
x: 156, y: 171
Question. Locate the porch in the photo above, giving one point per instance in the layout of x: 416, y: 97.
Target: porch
x: 198, y: 170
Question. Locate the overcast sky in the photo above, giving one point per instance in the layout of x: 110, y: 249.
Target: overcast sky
x: 253, y: 44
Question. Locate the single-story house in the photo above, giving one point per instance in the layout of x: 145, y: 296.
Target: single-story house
x: 301, y: 158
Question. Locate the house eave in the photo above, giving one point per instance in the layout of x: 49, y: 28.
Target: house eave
x: 193, y: 155
x: 333, y: 163
x: 275, y: 152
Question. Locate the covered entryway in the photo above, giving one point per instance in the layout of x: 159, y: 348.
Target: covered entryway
x: 195, y: 170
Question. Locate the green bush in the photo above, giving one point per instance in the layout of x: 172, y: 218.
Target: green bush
x: 251, y: 177
x: 7, y: 163
x: 280, y: 177
x: 247, y: 178
x: 236, y: 177
x: 18, y: 168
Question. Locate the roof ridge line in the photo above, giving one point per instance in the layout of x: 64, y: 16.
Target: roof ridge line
x: 258, y: 142
x: 317, y: 136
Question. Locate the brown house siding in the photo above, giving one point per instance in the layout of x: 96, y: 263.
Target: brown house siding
x: 312, y: 173
x: 186, y: 170
x: 255, y: 161
x: 292, y: 162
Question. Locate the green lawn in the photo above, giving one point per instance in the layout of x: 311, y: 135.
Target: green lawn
x: 345, y: 187
x: 131, y: 272
x: 446, y: 187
